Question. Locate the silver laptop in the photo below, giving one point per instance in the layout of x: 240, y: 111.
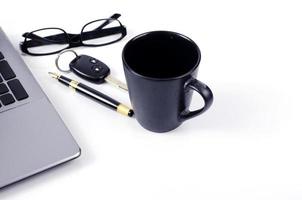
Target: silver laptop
x: 33, y: 138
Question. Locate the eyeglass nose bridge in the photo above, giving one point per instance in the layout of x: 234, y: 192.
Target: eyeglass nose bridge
x: 75, y: 40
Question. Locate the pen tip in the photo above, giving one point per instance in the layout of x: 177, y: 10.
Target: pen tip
x: 54, y: 75
x: 130, y: 113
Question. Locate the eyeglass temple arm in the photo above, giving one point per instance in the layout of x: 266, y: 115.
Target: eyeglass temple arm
x: 104, y: 32
x: 114, y: 16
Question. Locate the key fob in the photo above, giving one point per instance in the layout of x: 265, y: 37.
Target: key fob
x: 89, y: 68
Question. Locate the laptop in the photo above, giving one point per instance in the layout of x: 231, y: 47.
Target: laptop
x: 33, y: 137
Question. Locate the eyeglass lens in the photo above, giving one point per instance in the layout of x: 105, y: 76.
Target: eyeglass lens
x: 47, y: 41
x: 101, y: 32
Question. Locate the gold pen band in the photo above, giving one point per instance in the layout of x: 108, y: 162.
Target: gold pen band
x: 123, y: 109
x: 73, y: 84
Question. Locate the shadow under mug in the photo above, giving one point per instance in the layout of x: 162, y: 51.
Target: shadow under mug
x: 161, y: 69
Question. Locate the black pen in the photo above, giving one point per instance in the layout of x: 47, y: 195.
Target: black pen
x: 94, y: 94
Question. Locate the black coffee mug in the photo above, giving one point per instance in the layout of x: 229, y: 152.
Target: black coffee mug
x: 160, y: 69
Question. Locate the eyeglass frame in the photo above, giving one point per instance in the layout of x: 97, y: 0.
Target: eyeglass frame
x: 75, y: 40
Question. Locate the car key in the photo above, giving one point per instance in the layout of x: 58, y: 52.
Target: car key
x: 93, y: 70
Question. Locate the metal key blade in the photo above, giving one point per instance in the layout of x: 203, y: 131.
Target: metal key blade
x: 109, y: 79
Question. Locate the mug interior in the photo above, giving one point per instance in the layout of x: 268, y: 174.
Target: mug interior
x: 161, y: 54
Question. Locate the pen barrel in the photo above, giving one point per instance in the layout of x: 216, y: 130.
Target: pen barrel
x: 97, y: 96
x: 66, y: 81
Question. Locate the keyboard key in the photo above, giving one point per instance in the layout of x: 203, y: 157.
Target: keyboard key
x: 6, y: 70
x: 17, y: 89
x: 7, y: 99
x: 1, y: 56
x: 3, y: 88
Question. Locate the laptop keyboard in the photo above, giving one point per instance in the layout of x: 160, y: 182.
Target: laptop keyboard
x: 11, y: 90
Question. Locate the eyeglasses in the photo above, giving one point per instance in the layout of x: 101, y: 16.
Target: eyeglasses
x: 97, y: 33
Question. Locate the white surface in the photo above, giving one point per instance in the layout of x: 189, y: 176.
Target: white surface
x: 247, y: 146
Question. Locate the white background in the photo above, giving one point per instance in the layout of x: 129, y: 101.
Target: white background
x: 247, y: 146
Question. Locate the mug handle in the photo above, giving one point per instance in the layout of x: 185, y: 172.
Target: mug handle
x: 206, y: 94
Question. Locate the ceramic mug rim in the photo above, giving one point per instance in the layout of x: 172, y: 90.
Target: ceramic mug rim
x: 126, y: 65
